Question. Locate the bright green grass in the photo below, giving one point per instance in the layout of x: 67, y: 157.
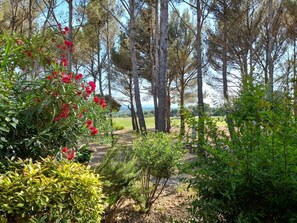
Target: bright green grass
x: 150, y: 122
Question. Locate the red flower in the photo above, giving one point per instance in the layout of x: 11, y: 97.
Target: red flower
x: 67, y: 78
x: 64, y: 114
x: 89, y: 123
x: 96, y: 100
x: 94, y: 130
x: 68, y: 43
x: 50, y: 77
x: 64, y: 150
x: 70, y: 155
x: 92, y: 85
x: 88, y: 90
x: 85, y: 110
x: 80, y: 115
x: 79, y: 76
x: 78, y: 93
x: 64, y: 62
x: 55, y: 73
x: 66, y: 29
x: 103, y: 105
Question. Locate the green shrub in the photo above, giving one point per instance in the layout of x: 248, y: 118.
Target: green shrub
x: 43, y: 106
x: 156, y: 156
x: 118, y: 173
x: 50, y: 191
x: 117, y: 126
x: 251, y: 176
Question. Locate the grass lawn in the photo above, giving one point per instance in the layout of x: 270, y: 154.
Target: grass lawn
x: 150, y: 122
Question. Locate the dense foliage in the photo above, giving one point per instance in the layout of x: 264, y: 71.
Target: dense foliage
x: 251, y: 176
x: 44, y: 106
x: 50, y: 191
x: 157, y: 156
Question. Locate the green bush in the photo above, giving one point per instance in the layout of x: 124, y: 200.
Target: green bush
x: 119, y: 173
x: 251, y: 176
x: 156, y: 156
x: 43, y: 106
x: 50, y: 191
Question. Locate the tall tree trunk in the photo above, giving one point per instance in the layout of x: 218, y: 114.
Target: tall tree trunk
x: 295, y: 79
x: 109, y: 80
x: 182, y: 110
x: 168, y: 105
x: 200, y: 77
x: 225, y: 63
x: 70, y: 34
x: 132, y: 108
x: 155, y: 59
x: 30, y: 18
x: 156, y: 62
x: 163, y: 66
x: 269, y: 61
x: 135, y: 68
x: 99, y: 67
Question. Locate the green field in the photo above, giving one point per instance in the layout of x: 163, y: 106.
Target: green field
x: 150, y: 122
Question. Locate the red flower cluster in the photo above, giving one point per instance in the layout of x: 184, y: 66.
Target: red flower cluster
x: 68, y: 154
x: 78, y: 77
x: 93, y: 129
x: 67, y: 78
x: 64, y: 113
x: 91, y: 88
x: 64, y: 61
x: 69, y: 44
x: 100, y: 101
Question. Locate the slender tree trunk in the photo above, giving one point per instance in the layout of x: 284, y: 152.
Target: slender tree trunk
x: 30, y: 19
x: 295, y: 79
x: 133, y: 114
x: 156, y: 62
x: 269, y: 61
x: 135, y: 68
x: 225, y: 64
x: 168, y: 105
x: 200, y: 77
x: 163, y: 66
x: 182, y: 110
x: 109, y: 81
x: 99, y: 67
x: 70, y: 34
x: 152, y: 59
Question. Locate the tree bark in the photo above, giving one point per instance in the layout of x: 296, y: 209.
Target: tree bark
x: 139, y: 110
x: 295, y: 79
x: 200, y: 77
x: 182, y: 110
x: 163, y: 66
x: 269, y: 60
x: 99, y: 67
x: 224, y: 71
x: 70, y: 34
x: 168, y: 105
x: 155, y: 59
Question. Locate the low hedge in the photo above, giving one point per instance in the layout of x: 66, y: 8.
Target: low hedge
x: 50, y: 191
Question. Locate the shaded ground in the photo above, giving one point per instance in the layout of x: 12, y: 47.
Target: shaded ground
x: 173, y: 201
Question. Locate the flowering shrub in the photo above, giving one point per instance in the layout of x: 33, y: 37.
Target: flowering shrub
x: 47, y: 106
x: 50, y: 191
